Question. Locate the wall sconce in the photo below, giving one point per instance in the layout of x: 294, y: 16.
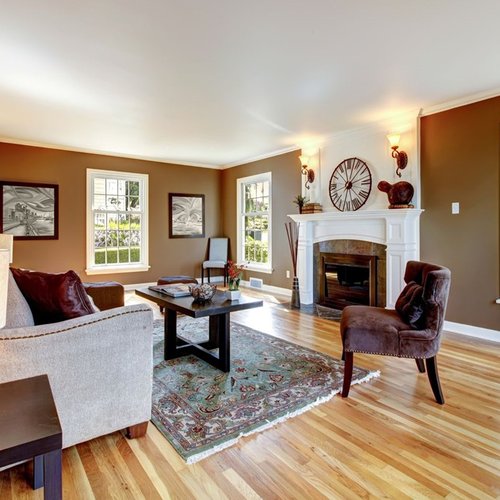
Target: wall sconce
x: 308, y: 172
x: 400, y: 156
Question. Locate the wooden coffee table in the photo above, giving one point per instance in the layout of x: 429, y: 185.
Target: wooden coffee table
x: 30, y: 428
x: 217, y: 310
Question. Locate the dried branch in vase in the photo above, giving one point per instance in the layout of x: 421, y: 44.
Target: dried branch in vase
x: 292, y: 234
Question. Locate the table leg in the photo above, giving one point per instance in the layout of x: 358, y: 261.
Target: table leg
x: 224, y: 342
x: 213, y: 330
x: 170, y: 334
x: 37, y: 472
x: 52, y: 475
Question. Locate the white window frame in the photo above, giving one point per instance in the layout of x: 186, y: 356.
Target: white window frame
x: 240, y: 198
x: 143, y: 265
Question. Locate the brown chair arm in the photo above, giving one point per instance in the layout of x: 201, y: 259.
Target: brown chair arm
x: 426, y: 334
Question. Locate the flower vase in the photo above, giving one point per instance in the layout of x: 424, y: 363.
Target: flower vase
x: 233, y: 294
x: 295, y: 302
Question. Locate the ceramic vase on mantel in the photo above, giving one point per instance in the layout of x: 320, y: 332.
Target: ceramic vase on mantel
x: 295, y: 302
x: 233, y: 294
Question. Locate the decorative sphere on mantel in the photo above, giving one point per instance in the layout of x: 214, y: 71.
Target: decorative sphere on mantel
x: 399, y: 194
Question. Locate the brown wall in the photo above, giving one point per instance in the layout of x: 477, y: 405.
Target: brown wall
x: 286, y: 185
x: 68, y: 170
x: 460, y: 162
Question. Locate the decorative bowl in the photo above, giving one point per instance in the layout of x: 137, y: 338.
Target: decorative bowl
x: 202, y: 293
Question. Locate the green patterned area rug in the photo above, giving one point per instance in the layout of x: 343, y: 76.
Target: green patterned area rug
x: 201, y: 410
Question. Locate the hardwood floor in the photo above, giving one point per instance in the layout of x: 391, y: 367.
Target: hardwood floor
x: 388, y: 439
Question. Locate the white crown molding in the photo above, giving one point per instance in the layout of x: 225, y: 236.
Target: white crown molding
x: 21, y: 142
x: 462, y: 101
x: 261, y: 157
x: 385, y: 125
x: 373, y: 127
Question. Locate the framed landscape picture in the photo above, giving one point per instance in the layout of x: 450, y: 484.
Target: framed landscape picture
x: 30, y: 211
x: 187, y: 215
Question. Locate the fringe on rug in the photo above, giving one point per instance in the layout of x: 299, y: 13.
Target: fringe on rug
x: 267, y: 425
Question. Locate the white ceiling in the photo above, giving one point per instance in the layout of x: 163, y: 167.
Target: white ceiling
x: 218, y: 82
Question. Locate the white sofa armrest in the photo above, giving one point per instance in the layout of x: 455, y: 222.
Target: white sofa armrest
x: 99, y: 366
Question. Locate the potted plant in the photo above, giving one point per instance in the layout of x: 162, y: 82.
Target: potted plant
x: 300, y: 201
x: 234, y: 272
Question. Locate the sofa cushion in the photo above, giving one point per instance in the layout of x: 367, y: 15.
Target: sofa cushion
x: 53, y: 297
x: 410, y: 304
x: 18, y: 311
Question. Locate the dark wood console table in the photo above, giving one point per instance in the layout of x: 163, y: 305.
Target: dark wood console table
x: 30, y: 428
x: 218, y: 311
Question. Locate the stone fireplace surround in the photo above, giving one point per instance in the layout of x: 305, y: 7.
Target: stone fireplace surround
x: 350, y: 248
x: 398, y: 229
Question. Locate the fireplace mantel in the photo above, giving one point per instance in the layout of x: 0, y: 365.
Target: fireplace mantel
x: 398, y: 229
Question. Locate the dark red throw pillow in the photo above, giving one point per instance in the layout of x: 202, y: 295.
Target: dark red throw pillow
x: 53, y: 297
x: 410, y: 304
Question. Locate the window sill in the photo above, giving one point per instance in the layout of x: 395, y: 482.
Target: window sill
x: 258, y: 269
x: 117, y: 269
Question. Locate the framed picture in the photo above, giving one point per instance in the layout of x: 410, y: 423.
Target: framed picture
x: 187, y: 215
x: 30, y: 211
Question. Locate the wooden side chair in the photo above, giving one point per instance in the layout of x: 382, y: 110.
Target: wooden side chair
x: 412, y: 330
x: 218, y: 249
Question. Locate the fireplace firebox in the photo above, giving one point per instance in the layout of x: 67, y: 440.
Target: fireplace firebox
x: 347, y: 280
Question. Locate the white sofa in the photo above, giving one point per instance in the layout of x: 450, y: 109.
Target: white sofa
x: 99, y: 366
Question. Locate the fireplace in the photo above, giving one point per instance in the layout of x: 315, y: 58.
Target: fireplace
x: 347, y: 280
x: 398, y: 230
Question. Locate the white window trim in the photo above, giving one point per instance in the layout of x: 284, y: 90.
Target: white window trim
x: 266, y: 176
x: 118, y: 268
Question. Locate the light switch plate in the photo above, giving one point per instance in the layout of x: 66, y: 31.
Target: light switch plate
x: 455, y: 207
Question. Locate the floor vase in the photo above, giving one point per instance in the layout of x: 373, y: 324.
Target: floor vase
x: 295, y: 293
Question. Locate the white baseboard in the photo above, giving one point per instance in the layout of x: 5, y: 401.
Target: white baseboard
x: 450, y: 326
x: 133, y: 286
x: 269, y: 288
x: 472, y: 331
x: 213, y: 279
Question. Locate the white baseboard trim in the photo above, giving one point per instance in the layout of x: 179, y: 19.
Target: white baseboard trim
x: 213, y: 279
x: 472, y: 331
x: 268, y: 288
x: 133, y: 286
x: 450, y: 326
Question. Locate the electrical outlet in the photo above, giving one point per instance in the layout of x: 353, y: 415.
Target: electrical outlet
x: 455, y: 208
x: 288, y: 274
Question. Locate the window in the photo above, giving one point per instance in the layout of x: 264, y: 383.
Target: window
x: 254, y: 221
x: 117, y: 222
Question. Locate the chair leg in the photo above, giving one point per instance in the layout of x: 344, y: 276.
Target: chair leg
x: 347, y: 373
x: 432, y: 373
x: 420, y: 365
x: 202, y: 274
x: 208, y: 275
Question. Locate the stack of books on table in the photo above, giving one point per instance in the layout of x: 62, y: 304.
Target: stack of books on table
x: 312, y: 208
x: 179, y: 290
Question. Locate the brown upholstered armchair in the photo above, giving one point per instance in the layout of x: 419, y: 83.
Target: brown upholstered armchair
x: 413, y: 330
